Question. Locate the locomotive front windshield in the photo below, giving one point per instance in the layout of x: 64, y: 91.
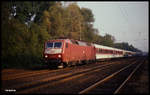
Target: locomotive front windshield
x: 57, y: 45
x: 53, y: 45
x: 49, y: 45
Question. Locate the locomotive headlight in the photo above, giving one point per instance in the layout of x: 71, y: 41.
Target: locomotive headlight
x: 46, y: 56
x: 59, y: 56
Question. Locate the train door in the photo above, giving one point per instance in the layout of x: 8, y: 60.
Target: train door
x: 67, y: 52
x: 94, y: 52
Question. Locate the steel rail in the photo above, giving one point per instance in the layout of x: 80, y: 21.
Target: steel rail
x: 118, y: 89
x: 58, y: 77
x: 27, y: 74
x: 106, y: 78
x: 68, y: 77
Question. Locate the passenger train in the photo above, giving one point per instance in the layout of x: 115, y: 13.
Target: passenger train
x: 67, y: 52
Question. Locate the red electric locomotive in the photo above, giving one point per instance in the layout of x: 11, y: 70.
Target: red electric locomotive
x: 66, y: 52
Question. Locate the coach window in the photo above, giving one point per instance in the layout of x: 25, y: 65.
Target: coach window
x: 97, y: 50
x: 103, y: 51
x: 117, y: 52
x: 107, y: 51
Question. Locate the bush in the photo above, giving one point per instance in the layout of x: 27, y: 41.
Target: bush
x: 21, y: 61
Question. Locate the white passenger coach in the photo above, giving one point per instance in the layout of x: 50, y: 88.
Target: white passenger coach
x: 103, y: 52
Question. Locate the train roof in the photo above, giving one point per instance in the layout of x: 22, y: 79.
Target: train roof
x: 110, y: 48
x: 72, y: 41
x: 82, y: 43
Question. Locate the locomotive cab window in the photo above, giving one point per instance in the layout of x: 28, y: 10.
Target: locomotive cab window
x: 49, y: 45
x: 57, y: 45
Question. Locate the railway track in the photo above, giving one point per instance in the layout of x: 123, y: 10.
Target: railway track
x: 78, y: 79
x: 11, y: 74
x: 114, y: 82
x: 59, y: 76
x: 15, y: 74
x: 27, y: 74
x: 64, y: 78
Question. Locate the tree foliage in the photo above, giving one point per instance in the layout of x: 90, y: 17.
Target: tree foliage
x: 108, y: 40
x: 126, y: 46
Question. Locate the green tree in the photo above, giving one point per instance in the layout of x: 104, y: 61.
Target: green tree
x: 24, y: 11
x: 75, y: 21
x: 56, y: 18
x: 108, y: 40
x: 46, y: 21
x: 40, y: 7
x: 126, y: 46
x: 88, y: 15
x: 89, y: 33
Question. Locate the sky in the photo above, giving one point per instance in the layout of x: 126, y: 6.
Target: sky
x: 126, y: 21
